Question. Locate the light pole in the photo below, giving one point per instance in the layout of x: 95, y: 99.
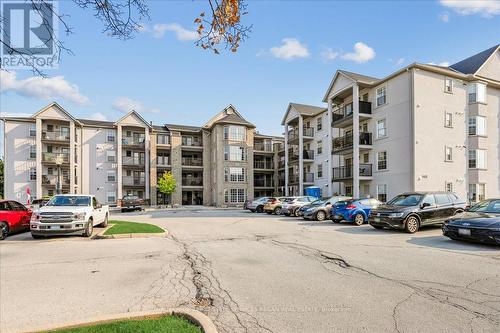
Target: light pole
x: 59, y: 159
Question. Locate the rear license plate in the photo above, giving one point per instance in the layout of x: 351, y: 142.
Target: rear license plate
x: 464, y: 232
x: 377, y: 219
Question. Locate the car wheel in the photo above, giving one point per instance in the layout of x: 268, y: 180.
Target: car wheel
x: 277, y: 211
x: 90, y: 228
x: 411, y: 225
x: 320, y: 215
x: 359, y: 219
x: 296, y: 213
x: 260, y: 209
x: 4, y: 230
x: 105, y: 223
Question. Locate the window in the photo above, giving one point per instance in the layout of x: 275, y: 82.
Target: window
x: 481, y: 193
x: 366, y: 158
x: 477, y: 92
x: 32, y: 174
x: 234, y: 153
x: 163, y: 139
x: 448, y: 85
x: 448, y: 119
x: 442, y: 199
x: 111, y: 176
x: 477, y: 125
x: 477, y: 159
x: 32, y: 129
x: 110, y: 136
x: 448, y: 154
x: 110, y: 156
x: 234, y: 195
x: 382, y: 160
x: 430, y: 199
x: 381, y: 96
x: 319, y: 147
x: 50, y: 171
x: 234, y: 174
x: 111, y: 196
x: 32, y: 151
x: 448, y: 186
x: 320, y: 170
x: 365, y: 97
x: 382, y: 193
x: 319, y: 123
x: 234, y: 133
x: 381, y: 128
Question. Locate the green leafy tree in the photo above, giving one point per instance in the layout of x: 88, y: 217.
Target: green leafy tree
x: 1, y: 178
x: 167, y: 183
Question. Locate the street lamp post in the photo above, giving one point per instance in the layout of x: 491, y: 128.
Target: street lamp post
x: 59, y: 159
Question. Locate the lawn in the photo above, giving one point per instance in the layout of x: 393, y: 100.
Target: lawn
x: 124, y: 227
x: 165, y: 324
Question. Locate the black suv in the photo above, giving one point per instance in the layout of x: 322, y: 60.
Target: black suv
x: 410, y: 211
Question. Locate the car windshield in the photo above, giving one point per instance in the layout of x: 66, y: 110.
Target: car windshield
x: 131, y: 197
x: 406, y: 200
x: 487, y: 206
x: 60, y: 200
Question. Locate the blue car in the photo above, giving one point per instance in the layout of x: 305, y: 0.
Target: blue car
x: 353, y: 210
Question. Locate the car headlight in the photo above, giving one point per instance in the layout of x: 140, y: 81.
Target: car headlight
x: 35, y: 217
x: 79, y: 216
x: 396, y: 214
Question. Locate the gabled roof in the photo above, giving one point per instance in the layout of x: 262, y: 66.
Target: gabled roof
x: 181, y: 128
x: 228, y: 116
x: 60, y: 108
x: 304, y: 110
x: 472, y: 64
x: 133, y: 112
x: 355, y: 77
x: 92, y: 122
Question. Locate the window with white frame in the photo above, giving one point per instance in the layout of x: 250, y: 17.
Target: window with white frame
x: 111, y: 176
x: 319, y: 147
x: 32, y: 174
x: 481, y: 192
x: 448, y: 186
x: 234, y: 195
x: 233, y: 174
x: 382, y: 160
x: 319, y: 123
x: 111, y: 197
x: 477, y: 159
x: 33, y: 130
x: 111, y: 156
x: 477, y: 92
x: 448, y: 154
x: 382, y: 192
x: 320, y: 170
x: 234, y: 133
x: 381, y: 128
x: 163, y: 139
x: 448, y: 119
x: 110, y: 136
x: 448, y: 84
x: 477, y: 126
x: 33, y: 151
x: 381, y: 96
x: 234, y: 153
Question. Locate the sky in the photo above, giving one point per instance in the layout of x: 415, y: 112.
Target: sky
x: 294, y: 49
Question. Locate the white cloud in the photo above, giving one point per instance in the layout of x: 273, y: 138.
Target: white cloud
x: 400, y: 61
x: 126, y: 104
x: 181, y: 33
x: 43, y: 88
x: 98, y: 116
x: 15, y: 114
x: 289, y: 49
x: 444, y: 17
x: 328, y: 54
x: 486, y: 8
x: 362, y: 53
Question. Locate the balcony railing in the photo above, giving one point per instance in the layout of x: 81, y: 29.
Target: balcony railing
x: 133, y: 181
x: 281, y: 164
x: 190, y: 142
x: 308, y: 154
x: 308, y: 131
x: 52, y: 180
x: 263, y: 165
x: 130, y: 160
x: 55, y: 157
x: 192, y: 161
x: 132, y: 141
x: 192, y: 182
x: 309, y: 177
x: 346, y: 110
x: 293, y: 179
x: 294, y: 133
x: 346, y: 172
x: 55, y: 136
x: 259, y: 146
x: 346, y: 141
x: 263, y: 183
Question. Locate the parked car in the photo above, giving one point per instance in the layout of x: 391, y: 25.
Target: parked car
x: 410, y: 211
x: 132, y: 202
x: 37, y: 203
x: 481, y: 223
x: 274, y: 204
x: 257, y: 205
x: 69, y: 214
x: 356, y: 211
x: 14, y: 217
x: 291, y: 207
x: 319, y: 210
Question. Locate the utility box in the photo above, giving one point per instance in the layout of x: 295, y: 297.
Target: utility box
x: 313, y: 191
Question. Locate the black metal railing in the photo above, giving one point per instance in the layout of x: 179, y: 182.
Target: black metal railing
x: 294, y: 133
x: 346, y: 141
x: 263, y: 165
x: 346, y: 110
x: 263, y: 183
x: 192, y: 182
x: 308, y: 154
x: 259, y: 146
x: 192, y: 161
x: 309, y: 177
x: 192, y: 141
x: 346, y: 172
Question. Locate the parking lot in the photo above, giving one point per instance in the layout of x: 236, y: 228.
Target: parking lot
x: 256, y: 273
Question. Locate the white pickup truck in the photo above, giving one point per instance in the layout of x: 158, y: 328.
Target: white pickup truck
x: 69, y: 214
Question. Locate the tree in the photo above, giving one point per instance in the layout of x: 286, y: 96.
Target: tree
x: 1, y: 178
x: 167, y: 183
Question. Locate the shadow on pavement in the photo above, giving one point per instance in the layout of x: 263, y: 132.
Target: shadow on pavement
x: 442, y: 242
x: 26, y: 237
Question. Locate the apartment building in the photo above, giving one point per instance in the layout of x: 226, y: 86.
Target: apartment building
x: 221, y: 163
x: 423, y: 127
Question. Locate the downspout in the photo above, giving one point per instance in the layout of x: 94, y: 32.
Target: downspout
x: 412, y: 131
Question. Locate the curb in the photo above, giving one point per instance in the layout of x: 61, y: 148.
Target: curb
x: 195, y: 317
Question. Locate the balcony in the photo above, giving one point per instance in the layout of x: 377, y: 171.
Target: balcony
x: 56, y: 158
x: 58, y: 136
x: 191, y: 142
x: 163, y: 161
x: 308, y: 133
x: 268, y: 165
x: 51, y: 180
x: 341, y: 117
x: 346, y: 142
x: 293, y: 179
x: 263, y: 183
x: 192, y: 182
x: 309, y: 177
x: 133, y: 181
x: 133, y: 161
x: 281, y: 164
x: 307, y: 155
x: 189, y: 161
x: 133, y: 141
x: 263, y: 147
x: 346, y: 172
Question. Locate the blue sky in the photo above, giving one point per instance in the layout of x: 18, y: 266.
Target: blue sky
x: 293, y: 51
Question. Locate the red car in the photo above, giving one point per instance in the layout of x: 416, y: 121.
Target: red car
x: 14, y: 217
